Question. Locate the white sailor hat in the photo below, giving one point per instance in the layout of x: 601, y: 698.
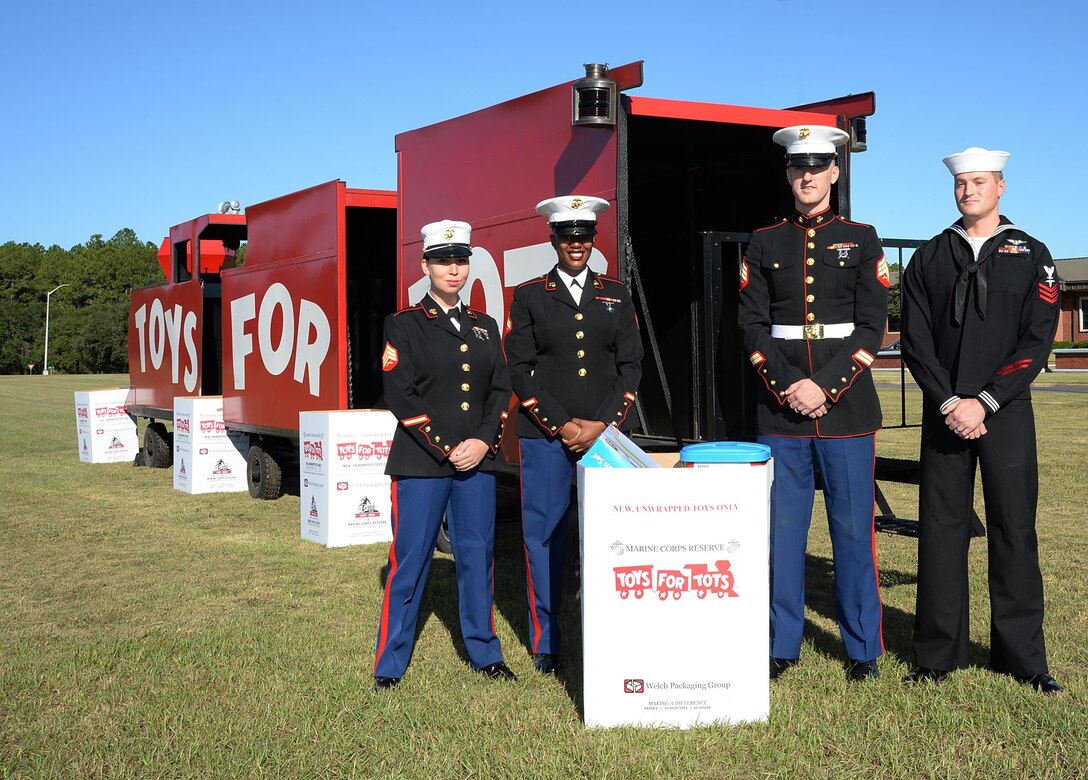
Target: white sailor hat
x: 810, y: 146
x: 446, y: 238
x: 572, y: 215
x: 976, y: 158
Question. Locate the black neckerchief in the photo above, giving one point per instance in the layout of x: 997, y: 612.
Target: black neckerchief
x: 964, y: 255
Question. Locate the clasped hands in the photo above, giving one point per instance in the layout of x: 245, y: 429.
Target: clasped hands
x: 806, y: 398
x: 965, y: 418
x: 578, y: 435
x: 468, y: 454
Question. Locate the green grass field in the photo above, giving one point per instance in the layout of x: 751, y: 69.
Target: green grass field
x: 147, y: 633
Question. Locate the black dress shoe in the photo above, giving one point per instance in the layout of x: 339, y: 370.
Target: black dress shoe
x: 381, y: 683
x: 497, y: 671
x: 780, y: 665
x: 863, y: 670
x: 1043, y: 683
x: 547, y: 663
x: 923, y: 673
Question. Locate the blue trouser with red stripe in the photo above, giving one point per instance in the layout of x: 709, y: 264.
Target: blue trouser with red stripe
x: 547, y: 469
x: 846, y: 467
x: 418, y: 506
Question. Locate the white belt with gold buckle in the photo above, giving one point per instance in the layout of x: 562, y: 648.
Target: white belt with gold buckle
x: 813, y: 331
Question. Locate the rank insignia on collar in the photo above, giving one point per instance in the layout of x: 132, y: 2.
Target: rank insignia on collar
x: 433, y: 312
x: 481, y: 333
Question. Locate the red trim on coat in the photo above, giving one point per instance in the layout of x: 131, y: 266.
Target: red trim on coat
x: 383, y: 621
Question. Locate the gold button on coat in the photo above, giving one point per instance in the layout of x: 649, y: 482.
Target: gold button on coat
x: 811, y: 245
x: 809, y: 280
x: 811, y: 232
x: 581, y: 354
x: 581, y: 372
x: 465, y: 367
x: 465, y: 387
x: 464, y: 347
x: 578, y: 316
x: 811, y: 261
x: 464, y: 406
x: 810, y: 298
x: 579, y: 335
x: 810, y: 317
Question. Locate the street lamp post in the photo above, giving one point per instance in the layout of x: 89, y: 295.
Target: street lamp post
x: 45, y: 363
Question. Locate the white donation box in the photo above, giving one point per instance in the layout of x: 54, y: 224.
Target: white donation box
x: 105, y: 431
x: 343, y: 487
x: 207, y: 457
x: 675, y: 594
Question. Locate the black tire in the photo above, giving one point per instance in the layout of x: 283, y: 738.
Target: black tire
x: 158, y: 450
x: 443, y: 544
x: 264, y: 474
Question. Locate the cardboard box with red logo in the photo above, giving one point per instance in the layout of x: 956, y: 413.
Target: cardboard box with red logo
x: 344, y: 492
x: 675, y: 593
x: 105, y: 431
x: 207, y: 457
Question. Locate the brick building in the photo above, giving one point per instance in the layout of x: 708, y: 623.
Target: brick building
x: 1073, y: 321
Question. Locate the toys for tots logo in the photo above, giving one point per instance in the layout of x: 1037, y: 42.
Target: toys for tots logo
x: 313, y: 449
x: 697, y: 578
x: 82, y: 412
x: 363, y: 450
x: 181, y: 424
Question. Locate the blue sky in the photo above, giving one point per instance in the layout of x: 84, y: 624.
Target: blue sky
x: 146, y: 114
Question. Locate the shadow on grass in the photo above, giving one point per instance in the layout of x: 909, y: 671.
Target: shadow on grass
x: 898, y: 625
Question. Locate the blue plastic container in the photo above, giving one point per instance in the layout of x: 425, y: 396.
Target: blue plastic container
x: 713, y: 453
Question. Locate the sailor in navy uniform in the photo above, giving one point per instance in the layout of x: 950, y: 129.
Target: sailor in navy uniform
x: 980, y: 309
x: 813, y: 308
x: 575, y: 362
x: 446, y: 380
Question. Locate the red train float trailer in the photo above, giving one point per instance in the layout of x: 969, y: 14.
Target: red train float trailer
x: 298, y: 325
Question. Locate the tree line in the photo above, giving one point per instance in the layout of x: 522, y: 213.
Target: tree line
x: 88, y: 319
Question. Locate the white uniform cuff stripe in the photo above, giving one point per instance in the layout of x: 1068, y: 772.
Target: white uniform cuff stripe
x: 989, y: 400
x: 949, y: 402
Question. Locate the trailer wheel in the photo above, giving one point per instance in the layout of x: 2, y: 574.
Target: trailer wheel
x: 158, y: 448
x: 264, y: 474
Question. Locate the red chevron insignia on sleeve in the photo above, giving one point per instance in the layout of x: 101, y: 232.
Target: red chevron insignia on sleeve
x: 390, y: 357
x: 1048, y: 294
x: 882, y: 274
